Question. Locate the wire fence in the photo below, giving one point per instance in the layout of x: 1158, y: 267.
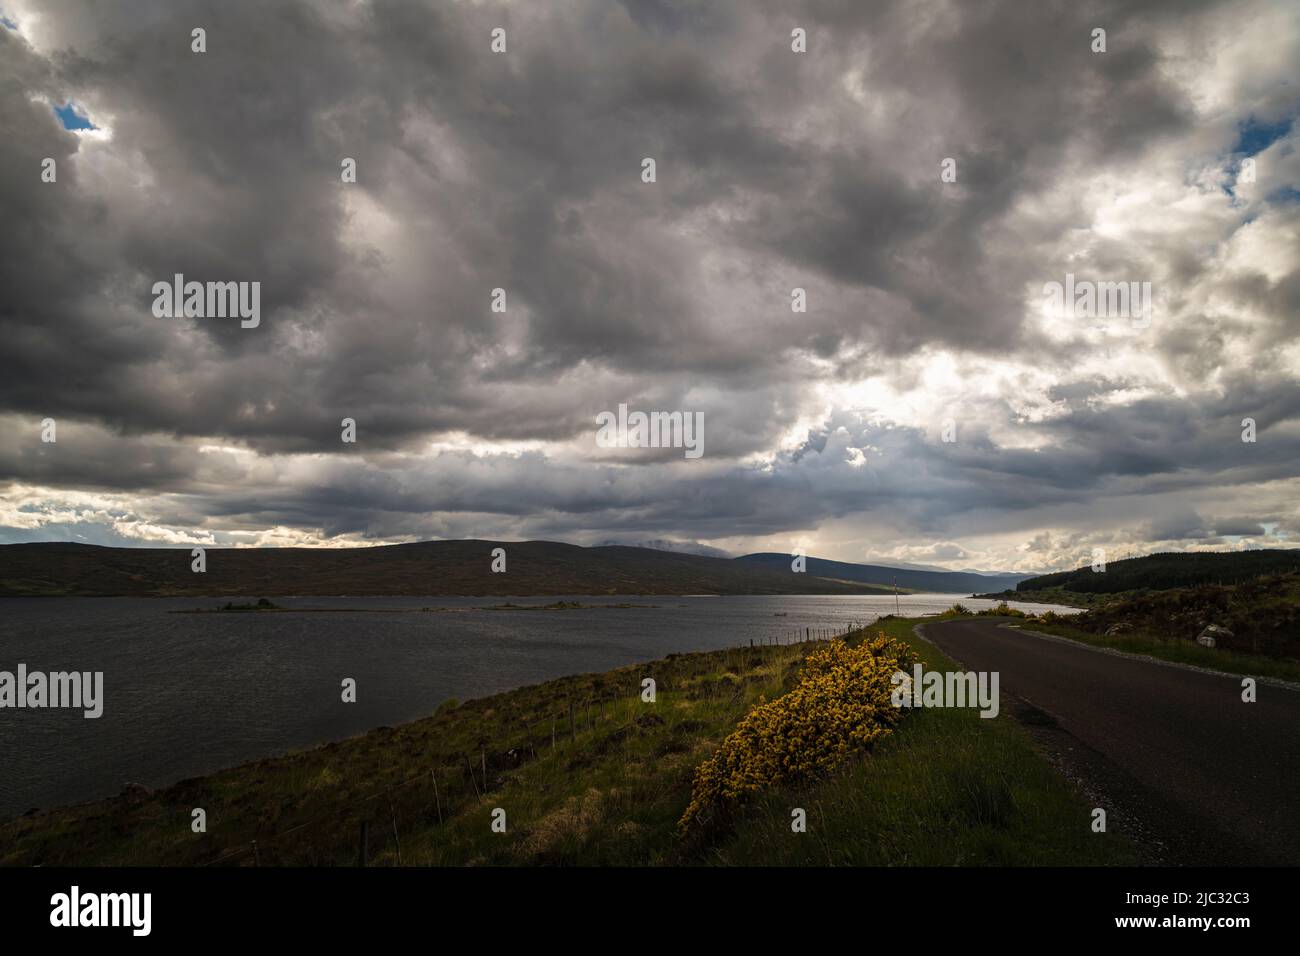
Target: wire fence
x: 368, y: 829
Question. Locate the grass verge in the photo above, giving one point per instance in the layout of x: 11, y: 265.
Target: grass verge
x: 948, y: 788
x: 1178, y: 651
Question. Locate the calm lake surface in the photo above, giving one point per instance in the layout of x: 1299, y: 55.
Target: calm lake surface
x: 186, y: 694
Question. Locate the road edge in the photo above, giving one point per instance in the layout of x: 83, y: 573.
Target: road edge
x: 1268, y: 681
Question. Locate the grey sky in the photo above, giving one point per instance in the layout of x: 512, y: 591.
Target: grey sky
x: 775, y: 170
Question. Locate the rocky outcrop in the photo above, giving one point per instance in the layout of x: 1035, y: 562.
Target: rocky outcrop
x: 1212, y: 635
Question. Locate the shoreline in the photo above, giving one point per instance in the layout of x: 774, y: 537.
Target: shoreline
x: 589, y: 772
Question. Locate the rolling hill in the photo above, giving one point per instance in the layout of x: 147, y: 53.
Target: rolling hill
x: 940, y: 582
x: 1169, y: 570
x: 425, y: 568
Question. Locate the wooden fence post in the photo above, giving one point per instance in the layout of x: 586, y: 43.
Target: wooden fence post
x: 470, y: 768
x: 392, y: 810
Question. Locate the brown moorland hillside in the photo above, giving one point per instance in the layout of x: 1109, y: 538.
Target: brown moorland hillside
x: 424, y: 568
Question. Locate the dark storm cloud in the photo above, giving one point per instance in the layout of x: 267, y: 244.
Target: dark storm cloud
x: 244, y: 143
x: 522, y: 171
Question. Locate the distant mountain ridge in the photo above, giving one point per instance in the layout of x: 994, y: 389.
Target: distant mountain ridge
x: 429, y: 568
x: 940, y: 582
x: 667, y: 544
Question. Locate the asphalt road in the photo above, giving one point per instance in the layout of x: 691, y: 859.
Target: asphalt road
x: 1209, y: 778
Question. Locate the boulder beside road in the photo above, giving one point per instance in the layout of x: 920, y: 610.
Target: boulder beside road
x: 1211, y: 636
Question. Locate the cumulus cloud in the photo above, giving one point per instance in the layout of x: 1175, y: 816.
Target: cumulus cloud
x: 927, y: 406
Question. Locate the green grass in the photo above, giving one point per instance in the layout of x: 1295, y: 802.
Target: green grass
x: 610, y: 790
x: 949, y: 788
x: 1179, y: 651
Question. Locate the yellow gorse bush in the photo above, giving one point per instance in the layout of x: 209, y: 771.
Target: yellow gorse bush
x: 841, y: 705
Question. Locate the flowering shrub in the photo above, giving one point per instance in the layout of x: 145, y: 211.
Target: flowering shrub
x: 840, y: 705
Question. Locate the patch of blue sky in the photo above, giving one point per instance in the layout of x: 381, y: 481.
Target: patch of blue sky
x: 1255, y: 135
x: 72, y: 118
